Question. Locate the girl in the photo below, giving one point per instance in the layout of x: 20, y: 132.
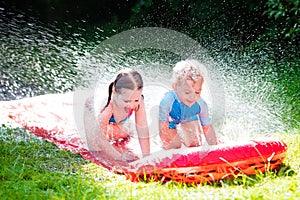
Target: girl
x: 124, y: 99
x: 182, y: 110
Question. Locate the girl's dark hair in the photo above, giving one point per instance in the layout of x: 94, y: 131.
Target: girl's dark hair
x: 129, y: 79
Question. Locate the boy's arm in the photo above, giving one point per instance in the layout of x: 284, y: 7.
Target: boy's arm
x: 210, y: 135
x: 169, y: 137
x: 206, y: 124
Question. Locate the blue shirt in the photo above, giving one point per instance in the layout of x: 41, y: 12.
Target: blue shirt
x: 175, y: 112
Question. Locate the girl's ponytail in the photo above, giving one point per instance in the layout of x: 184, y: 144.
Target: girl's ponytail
x: 110, y: 88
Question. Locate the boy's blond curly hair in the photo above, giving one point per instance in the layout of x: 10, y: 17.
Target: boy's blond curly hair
x: 187, y: 70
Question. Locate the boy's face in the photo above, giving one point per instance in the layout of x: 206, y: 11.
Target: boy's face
x: 128, y: 99
x: 189, y: 91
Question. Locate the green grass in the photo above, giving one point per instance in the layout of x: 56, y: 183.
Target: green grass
x: 35, y: 169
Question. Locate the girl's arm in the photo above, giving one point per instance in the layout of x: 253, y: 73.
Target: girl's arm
x: 142, y: 129
x: 95, y: 135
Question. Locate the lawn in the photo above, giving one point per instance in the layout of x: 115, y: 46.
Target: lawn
x: 32, y: 168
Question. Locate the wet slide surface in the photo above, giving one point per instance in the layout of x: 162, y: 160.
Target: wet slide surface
x: 51, y: 117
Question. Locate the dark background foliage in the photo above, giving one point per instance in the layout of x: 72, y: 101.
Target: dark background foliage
x: 242, y: 20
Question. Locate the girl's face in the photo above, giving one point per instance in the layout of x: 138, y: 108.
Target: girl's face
x: 128, y: 99
x: 189, y: 92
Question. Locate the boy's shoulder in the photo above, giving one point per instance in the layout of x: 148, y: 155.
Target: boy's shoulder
x: 201, y: 102
x: 171, y: 94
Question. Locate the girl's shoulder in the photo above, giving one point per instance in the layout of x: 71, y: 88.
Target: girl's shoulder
x: 138, y: 107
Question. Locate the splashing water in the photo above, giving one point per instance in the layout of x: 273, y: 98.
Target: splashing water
x: 240, y: 102
x: 36, y: 59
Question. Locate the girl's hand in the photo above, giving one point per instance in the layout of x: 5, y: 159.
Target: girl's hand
x: 127, y: 156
